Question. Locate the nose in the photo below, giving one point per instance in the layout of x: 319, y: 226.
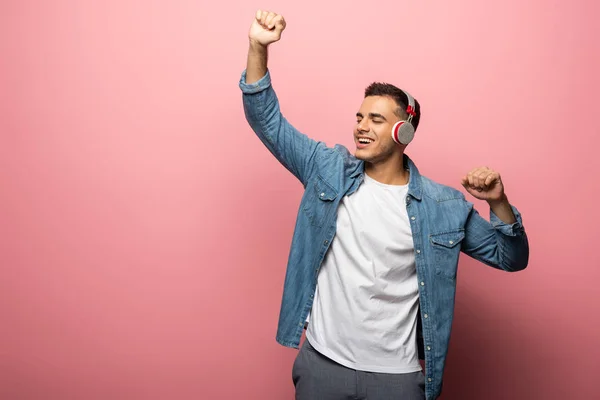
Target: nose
x: 363, y: 125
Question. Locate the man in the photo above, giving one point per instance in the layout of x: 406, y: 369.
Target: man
x: 376, y: 245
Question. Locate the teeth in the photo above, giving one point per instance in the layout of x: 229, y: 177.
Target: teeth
x: 365, y: 140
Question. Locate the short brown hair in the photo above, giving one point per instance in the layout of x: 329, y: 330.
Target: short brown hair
x: 386, y: 89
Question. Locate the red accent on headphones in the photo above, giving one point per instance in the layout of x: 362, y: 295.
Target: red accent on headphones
x: 396, y: 138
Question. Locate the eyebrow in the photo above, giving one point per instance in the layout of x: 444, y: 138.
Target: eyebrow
x: 372, y: 115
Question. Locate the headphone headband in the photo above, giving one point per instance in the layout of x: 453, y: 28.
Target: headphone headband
x: 410, y: 108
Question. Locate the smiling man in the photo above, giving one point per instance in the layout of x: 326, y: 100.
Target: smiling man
x: 372, y: 268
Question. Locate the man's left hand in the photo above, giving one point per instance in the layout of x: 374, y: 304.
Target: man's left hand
x: 484, y: 183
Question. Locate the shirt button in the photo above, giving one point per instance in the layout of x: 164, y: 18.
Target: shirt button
x: 418, y: 251
x: 413, y: 218
x: 426, y: 316
x: 422, y: 283
x: 327, y: 241
x: 451, y: 242
x: 322, y: 194
x: 429, y: 379
x: 428, y: 348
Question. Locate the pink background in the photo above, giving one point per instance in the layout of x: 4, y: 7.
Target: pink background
x: 144, y: 230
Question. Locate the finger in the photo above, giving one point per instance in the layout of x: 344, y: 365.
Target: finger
x: 482, y: 177
x: 475, y: 182
x: 258, y: 15
x: 279, y: 23
x: 475, y: 174
x: 268, y: 21
x: 493, y: 177
x: 478, y: 176
x: 263, y: 18
x: 471, y: 178
x: 485, y: 173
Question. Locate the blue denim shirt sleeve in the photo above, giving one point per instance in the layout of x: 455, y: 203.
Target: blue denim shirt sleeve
x: 496, y: 243
x: 293, y: 149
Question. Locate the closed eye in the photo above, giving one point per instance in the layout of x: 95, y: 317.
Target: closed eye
x: 376, y: 117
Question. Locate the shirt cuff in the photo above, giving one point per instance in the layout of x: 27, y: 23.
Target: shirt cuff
x: 514, y: 229
x: 258, y: 86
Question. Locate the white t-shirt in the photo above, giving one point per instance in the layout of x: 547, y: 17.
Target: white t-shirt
x: 364, y: 314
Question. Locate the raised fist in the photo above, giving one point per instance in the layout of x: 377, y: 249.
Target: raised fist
x: 266, y: 28
x: 484, y: 183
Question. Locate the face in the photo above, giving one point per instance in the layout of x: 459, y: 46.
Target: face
x: 373, y: 130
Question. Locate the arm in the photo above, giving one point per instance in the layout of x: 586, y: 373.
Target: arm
x: 256, y: 65
x: 496, y: 243
x: 293, y: 149
x: 501, y: 243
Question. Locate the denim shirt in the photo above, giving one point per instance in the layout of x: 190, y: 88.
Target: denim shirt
x: 443, y: 224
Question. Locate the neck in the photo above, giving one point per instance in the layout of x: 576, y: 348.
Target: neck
x: 390, y: 172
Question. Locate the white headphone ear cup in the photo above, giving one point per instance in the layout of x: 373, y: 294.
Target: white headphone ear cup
x: 403, y: 132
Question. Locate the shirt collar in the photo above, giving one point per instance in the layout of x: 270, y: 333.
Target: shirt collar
x: 414, y: 182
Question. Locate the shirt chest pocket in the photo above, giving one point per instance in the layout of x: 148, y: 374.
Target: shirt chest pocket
x: 446, y: 250
x: 319, y: 201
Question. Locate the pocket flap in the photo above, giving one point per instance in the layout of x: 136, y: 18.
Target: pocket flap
x: 448, y: 239
x: 324, y: 191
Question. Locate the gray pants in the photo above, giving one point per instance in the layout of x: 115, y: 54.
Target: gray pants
x: 317, y: 377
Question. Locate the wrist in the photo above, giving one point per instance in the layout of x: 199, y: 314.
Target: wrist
x: 256, y: 45
x: 502, y: 201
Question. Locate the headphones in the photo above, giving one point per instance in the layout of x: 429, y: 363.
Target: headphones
x: 404, y: 131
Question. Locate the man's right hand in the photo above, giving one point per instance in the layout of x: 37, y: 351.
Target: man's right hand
x: 266, y: 28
